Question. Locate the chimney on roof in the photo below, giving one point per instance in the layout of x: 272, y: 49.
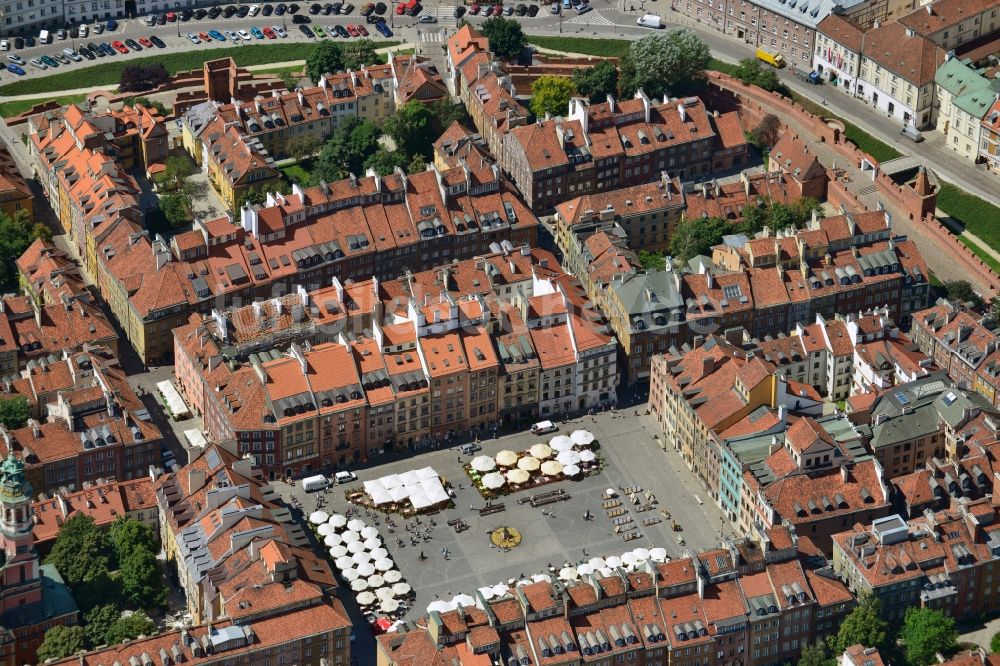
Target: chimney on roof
x: 845, y: 473
x: 910, y: 32
x: 709, y: 280
x: 930, y: 10
x: 196, y: 480
x: 683, y: 112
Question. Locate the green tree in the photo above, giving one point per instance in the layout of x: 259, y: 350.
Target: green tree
x: 360, y: 52
x: 995, y: 643
x: 385, y: 161
x: 142, y: 582
x: 417, y: 165
x: 128, y: 535
x: 962, y: 290
x: 925, y: 632
x: 697, y: 236
x: 176, y: 207
x: 354, y: 141
x: 98, y: 621
x: 755, y: 218
x: 815, y: 655
x: 506, y: 37
x: 753, y: 73
x: 597, y: 82
x: 81, y: 550
x: 97, y: 590
x: 864, y: 625
x: 61, y: 642
x: 410, y: 128
x: 177, y: 169
x: 130, y: 626
x: 550, y: 94
x: 651, y: 260
x: 14, y: 412
x: 766, y: 133
x: 300, y: 148
x: 17, y: 232
x: 666, y: 63
x: 445, y: 113
x: 327, y: 57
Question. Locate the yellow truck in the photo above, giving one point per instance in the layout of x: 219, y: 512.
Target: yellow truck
x: 773, y: 59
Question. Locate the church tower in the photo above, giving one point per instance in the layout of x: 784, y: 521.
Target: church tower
x: 19, y: 573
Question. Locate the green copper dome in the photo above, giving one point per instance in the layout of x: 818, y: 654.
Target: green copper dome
x: 14, y: 487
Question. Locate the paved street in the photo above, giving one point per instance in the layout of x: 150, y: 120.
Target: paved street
x: 556, y: 533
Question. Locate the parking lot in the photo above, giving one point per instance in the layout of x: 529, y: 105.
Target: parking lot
x: 553, y: 534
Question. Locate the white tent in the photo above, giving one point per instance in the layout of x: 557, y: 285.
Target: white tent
x: 629, y: 559
x: 613, y: 561
x: 384, y: 593
x: 318, y: 517
x: 350, y: 535
x: 552, y: 468
x: 585, y: 569
x: 463, y: 599
x: 375, y: 581
x: 399, y: 494
x: 641, y: 554
x: 373, y: 543
x: 440, y: 606
x: 597, y: 563
x: 366, y: 598
x: 410, y: 477
x: 389, y: 606
x: 487, y: 592
x: 436, y: 494
x: 391, y: 481
x: 427, y: 474
x: 658, y: 554
x: 361, y: 558
x: 569, y: 573
x: 500, y: 589
x: 540, y: 578
x: 528, y: 463
x: 541, y: 451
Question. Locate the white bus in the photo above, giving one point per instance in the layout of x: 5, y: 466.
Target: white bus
x: 313, y: 483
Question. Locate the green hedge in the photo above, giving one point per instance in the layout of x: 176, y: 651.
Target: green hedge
x: 19, y: 106
x: 613, y: 48
x: 108, y: 73
x: 977, y: 215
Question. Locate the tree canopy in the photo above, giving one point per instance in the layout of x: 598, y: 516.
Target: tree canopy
x: 752, y: 72
x: 80, y: 551
x: 327, y: 57
x: 962, y: 290
x: 671, y: 63
x: 925, y: 632
x: 445, y: 112
x: 697, y: 236
x: 766, y: 134
x: 864, y: 625
x: 130, y: 626
x: 410, y: 128
x: 360, y: 52
x: 597, y: 82
x: 815, y: 655
x: 176, y: 208
x: 14, y: 412
x: 550, y: 94
x: 506, y: 37
x: 347, y: 150
x: 61, y: 642
x: 17, y: 232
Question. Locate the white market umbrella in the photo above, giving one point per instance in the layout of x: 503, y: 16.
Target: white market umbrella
x: 349, y: 574
x: 493, y: 480
x: 366, y: 598
x: 375, y: 581
x: 506, y: 458
x: 359, y: 585
x: 325, y: 529
x: 587, y: 456
x: 344, y: 563
x: 318, y: 517
x: 607, y: 571
x: 641, y: 554
x: 379, y: 553
x: 569, y: 573
x: 464, y: 600
x: 338, y: 551
x: 569, y: 458
x: 351, y: 535
x: 369, y: 532
x: 356, y: 547
x: 614, y: 561
x: 541, y: 578
x: 401, y: 589
x: 528, y: 464
x: 366, y: 569
x: 629, y: 559
x: 483, y: 464
x: 361, y: 558
x: 597, y: 563
x: 356, y: 525
x: 385, y: 564
x: 331, y: 540
x: 389, y: 606
x: 571, y: 470
x: 582, y: 437
x: 384, y: 593
x: 440, y: 606
x: 658, y: 554
x: 541, y: 451
x: 487, y: 592
x: 552, y: 468
x: 500, y: 589
x: 561, y: 443
x: 518, y: 476
x: 585, y: 569
x: 338, y: 521
x: 392, y: 576
x: 373, y: 543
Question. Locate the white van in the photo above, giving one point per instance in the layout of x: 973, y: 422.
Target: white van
x: 543, y: 427
x: 44, y: 37
x: 650, y: 21
x: 84, y: 31
x: 314, y: 483
x: 345, y: 477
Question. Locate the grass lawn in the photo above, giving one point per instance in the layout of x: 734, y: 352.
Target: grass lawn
x: 17, y: 107
x: 722, y: 66
x: 293, y: 69
x: 298, y: 172
x: 877, y: 149
x: 615, y: 48
x: 109, y: 73
x: 979, y: 252
x: 975, y: 214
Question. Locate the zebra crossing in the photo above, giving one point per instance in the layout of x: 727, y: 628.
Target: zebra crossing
x: 436, y: 37
x: 590, y: 18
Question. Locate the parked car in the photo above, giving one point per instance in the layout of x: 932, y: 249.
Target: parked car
x: 266, y: 10
x: 161, y: 19
x: 15, y: 69
x: 254, y: 10
x: 214, y: 12
x: 16, y: 59
x: 243, y: 11
x: 72, y: 55
x: 384, y: 29
x: 149, y: 20
x: 145, y: 42
x: 315, y: 9
x: 109, y: 49
x: 301, y: 18
x: 280, y: 9
x: 171, y: 16
x: 532, y: 10
x: 353, y: 30
x: 345, y: 477
x: 29, y: 41
x: 96, y: 50
x: 195, y: 39
x: 132, y: 44
x: 85, y: 52
x: 64, y: 59
x: 270, y: 34
x: 521, y: 10
x: 199, y: 14
x: 216, y: 35
x: 380, y: 8
x: 368, y: 9
x: 363, y: 30
x: 347, y: 9
x: 19, y: 42
x: 49, y: 60
x: 38, y: 64
x: 157, y: 42
x: 320, y: 31
x: 342, y: 31
x: 60, y: 33
x: 459, y: 11
x: 304, y: 29
x: 293, y: 8
x: 427, y: 18
x: 229, y: 11
x: 256, y: 32
x: 279, y: 31
x: 84, y: 31
x: 185, y: 14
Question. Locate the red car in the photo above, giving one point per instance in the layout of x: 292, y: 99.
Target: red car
x: 353, y: 30
x: 270, y: 34
x: 118, y: 46
x: 203, y: 36
x: 474, y: 9
x: 400, y: 8
x: 363, y: 30
x: 171, y: 17
x: 145, y: 42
